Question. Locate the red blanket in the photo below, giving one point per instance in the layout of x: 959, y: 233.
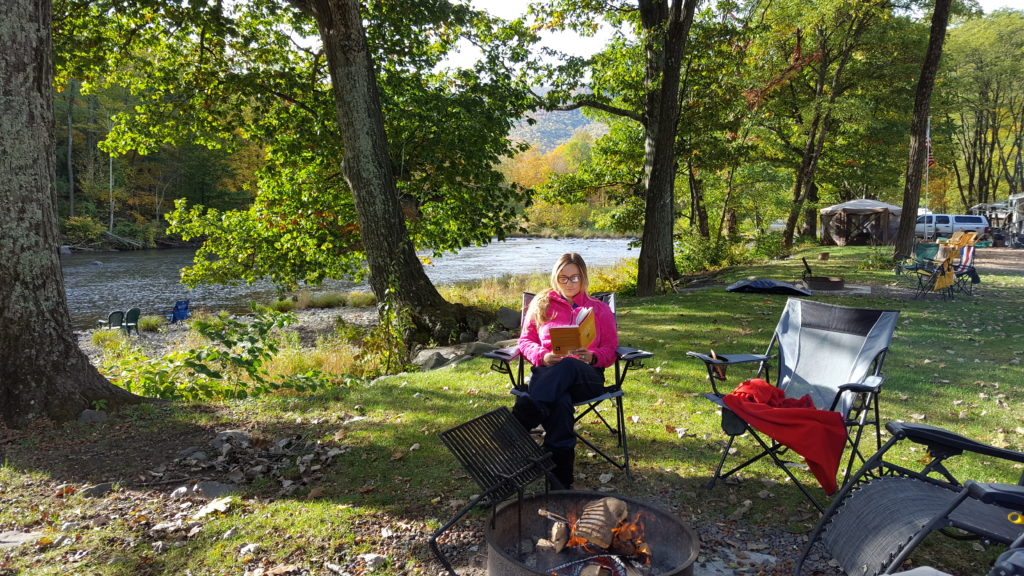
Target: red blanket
x: 817, y: 435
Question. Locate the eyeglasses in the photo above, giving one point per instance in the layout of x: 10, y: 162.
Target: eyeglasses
x: 567, y: 279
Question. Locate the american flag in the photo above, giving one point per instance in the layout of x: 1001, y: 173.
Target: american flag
x: 928, y: 145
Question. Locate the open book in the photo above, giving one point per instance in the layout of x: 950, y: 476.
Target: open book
x: 576, y: 336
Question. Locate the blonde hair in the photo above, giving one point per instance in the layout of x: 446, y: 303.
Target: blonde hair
x: 538, y: 311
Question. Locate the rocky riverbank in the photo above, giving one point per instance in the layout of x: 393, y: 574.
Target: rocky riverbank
x: 313, y: 324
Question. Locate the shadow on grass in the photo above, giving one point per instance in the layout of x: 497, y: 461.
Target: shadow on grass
x: 951, y: 364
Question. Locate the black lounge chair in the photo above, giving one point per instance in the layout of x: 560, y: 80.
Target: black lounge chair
x: 886, y: 509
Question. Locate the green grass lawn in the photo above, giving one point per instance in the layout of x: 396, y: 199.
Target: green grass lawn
x: 954, y: 364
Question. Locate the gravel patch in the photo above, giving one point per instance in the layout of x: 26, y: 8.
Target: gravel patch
x: 312, y: 324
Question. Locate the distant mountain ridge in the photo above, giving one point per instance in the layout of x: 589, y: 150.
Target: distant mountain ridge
x: 552, y: 129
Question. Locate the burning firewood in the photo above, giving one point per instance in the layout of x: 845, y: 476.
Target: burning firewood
x: 599, y: 519
x: 559, y: 535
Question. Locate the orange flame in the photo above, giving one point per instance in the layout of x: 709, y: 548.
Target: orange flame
x: 630, y: 534
x: 627, y: 537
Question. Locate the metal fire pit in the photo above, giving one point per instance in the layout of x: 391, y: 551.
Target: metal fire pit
x: 812, y: 282
x: 822, y: 283
x: 673, y: 544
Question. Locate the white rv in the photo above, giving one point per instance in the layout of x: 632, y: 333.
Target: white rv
x: 1015, y: 221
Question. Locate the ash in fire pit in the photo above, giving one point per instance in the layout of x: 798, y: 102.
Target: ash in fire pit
x: 588, y: 534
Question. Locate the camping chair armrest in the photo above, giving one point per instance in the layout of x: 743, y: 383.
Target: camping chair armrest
x: 948, y: 442
x: 503, y: 354
x: 627, y: 354
x: 1005, y: 495
x: 729, y: 358
x: 717, y: 400
x: 869, y: 384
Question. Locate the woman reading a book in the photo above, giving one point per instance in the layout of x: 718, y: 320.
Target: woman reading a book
x: 560, y: 377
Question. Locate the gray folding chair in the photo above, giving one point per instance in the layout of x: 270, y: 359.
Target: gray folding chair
x: 832, y: 353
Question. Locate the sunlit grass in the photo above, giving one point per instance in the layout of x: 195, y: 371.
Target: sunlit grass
x: 152, y: 323
x: 954, y: 364
x: 108, y: 339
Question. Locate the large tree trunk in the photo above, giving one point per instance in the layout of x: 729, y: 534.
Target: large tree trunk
x: 918, y: 128
x: 42, y: 371
x: 394, y: 266
x: 667, y: 29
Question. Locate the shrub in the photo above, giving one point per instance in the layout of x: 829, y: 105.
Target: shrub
x: 698, y: 254
x: 233, y: 366
x: 152, y: 323
x: 82, y: 229
x: 361, y: 299
x: 620, y: 278
x: 108, y: 340
x: 283, y: 305
x: 327, y: 300
x: 878, y: 259
x: 492, y: 293
x: 768, y: 246
x: 144, y: 233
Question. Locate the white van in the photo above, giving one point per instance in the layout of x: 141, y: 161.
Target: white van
x: 930, y: 226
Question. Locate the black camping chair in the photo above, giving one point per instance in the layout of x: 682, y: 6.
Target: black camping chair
x: 886, y: 509
x: 626, y: 359
x: 131, y: 321
x: 832, y: 353
x: 502, y: 458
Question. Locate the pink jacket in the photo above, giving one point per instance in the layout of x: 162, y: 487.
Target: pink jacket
x: 534, y: 343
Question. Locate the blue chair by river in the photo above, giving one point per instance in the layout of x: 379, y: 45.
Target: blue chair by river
x: 179, y: 312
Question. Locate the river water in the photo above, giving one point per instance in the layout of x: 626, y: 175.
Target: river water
x: 99, y: 282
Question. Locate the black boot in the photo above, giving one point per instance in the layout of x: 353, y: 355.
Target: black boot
x: 565, y: 460
x: 527, y: 413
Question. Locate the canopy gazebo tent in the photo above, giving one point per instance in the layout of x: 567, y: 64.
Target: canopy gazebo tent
x: 859, y: 223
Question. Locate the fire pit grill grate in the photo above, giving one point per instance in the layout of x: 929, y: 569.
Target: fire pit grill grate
x: 502, y: 458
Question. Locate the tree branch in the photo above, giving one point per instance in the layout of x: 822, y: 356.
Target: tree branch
x: 598, y: 105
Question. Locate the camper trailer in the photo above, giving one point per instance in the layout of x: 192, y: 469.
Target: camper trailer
x: 1015, y: 221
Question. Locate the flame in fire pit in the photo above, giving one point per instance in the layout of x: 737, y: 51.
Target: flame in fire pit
x: 627, y: 538
x: 661, y: 544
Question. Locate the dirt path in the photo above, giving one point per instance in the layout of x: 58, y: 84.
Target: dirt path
x: 999, y: 259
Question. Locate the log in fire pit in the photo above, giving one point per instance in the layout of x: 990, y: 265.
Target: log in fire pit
x: 580, y: 533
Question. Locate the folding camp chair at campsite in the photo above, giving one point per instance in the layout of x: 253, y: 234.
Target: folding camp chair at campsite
x: 936, y: 276
x: 924, y: 252
x: 965, y: 276
x: 503, y: 460
x: 509, y: 361
x: 179, y: 312
x: 886, y: 510
x: 833, y: 355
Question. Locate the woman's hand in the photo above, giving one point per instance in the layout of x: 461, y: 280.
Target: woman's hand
x: 550, y: 359
x: 584, y: 355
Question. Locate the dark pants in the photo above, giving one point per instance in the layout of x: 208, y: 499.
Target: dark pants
x: 554, y: 390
